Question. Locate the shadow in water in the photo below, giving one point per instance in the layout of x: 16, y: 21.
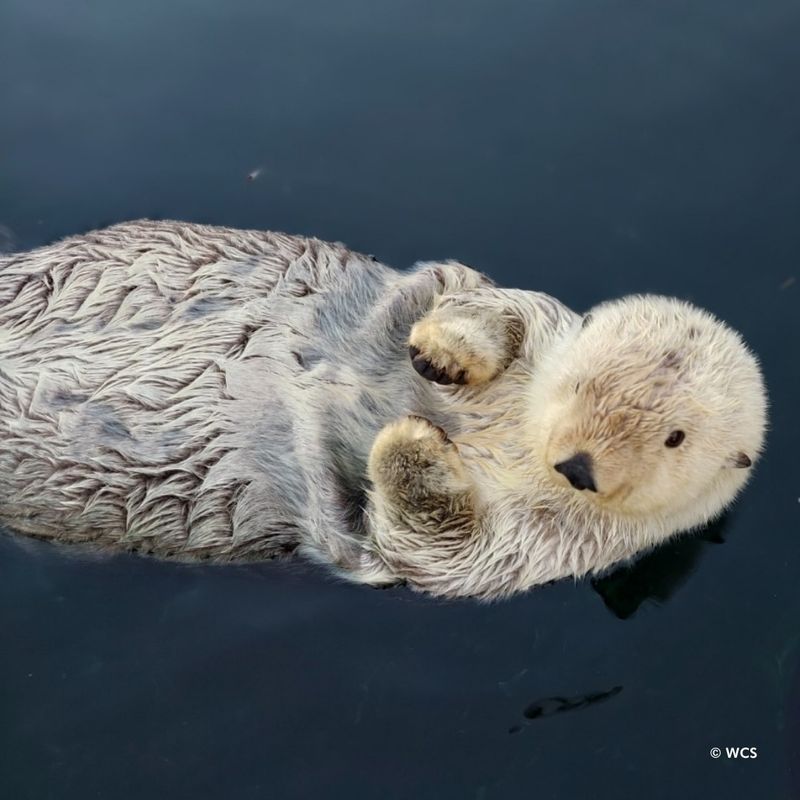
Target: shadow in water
x: 658, y: 575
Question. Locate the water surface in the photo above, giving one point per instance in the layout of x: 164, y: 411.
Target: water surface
x: 584, y: 149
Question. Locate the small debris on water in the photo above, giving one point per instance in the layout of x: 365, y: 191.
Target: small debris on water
x: 788, y: 282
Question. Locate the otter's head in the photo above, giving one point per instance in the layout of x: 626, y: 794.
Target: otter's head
x: 652, y: 410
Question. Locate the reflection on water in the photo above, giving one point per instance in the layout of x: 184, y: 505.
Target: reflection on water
x: 655, y: 577
x: 7, y: 239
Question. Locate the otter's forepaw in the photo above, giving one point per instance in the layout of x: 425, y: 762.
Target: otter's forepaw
x: 412, y: 457
x: 434, y: 370
x: 446, y: 350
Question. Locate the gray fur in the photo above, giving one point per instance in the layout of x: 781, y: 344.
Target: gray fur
x: 194, y: 391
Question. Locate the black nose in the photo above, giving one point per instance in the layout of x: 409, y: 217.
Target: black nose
x: 578, y: 471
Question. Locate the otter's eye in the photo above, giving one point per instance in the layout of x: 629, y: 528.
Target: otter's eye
x: 577, y: 387
x: 675, y: 438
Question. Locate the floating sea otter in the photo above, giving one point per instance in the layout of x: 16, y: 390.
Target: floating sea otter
x: 201, y: 392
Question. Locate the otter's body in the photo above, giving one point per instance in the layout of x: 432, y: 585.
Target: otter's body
x: 200, y: 392
x: 192, y: 391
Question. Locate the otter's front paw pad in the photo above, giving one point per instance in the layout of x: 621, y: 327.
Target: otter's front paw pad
x: 429, y: 370
x: 453, y: 349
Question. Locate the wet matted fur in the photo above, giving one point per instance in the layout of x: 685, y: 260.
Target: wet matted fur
x: 193, y: 392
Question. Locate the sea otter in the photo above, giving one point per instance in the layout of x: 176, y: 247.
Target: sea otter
x: 194, y: 392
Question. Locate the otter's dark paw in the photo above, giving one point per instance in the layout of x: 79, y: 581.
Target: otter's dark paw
x: 444, y: 375
x: 448, y: 347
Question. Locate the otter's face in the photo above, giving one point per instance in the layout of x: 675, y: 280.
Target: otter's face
x: 651, y: 407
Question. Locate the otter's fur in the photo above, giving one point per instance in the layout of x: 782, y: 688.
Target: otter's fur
x: 201, y: 392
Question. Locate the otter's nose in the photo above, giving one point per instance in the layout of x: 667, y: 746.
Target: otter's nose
x: 578, y: 471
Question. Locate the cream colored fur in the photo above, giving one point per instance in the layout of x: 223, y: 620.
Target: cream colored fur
x: 194, y: 391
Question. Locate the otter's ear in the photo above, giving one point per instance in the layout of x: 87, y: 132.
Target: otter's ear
x: 739, y: 461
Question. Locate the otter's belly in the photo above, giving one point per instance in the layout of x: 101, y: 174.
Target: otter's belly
x: 193, y: 391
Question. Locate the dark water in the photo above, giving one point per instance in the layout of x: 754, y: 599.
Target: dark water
x: 586, y: 149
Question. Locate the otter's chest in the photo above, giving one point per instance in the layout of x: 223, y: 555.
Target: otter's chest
x: 492, y: 432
